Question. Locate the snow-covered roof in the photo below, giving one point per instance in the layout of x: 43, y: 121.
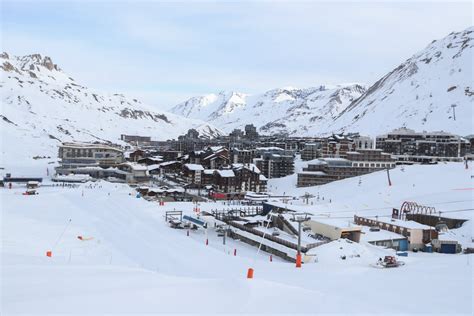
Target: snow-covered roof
x: 216, y: 148
x: 317, y: 162
x: 194, y: 167
x: 167, y: 163
x: 370, y: 236
x: 315, y: 173
x: 336, y: 222
x: 405, y: 224
x: 271, y: 148
x: 209, y: 171
x: 250, y: 166
x: 226, y: 173
x: 154, y: 167
x: 135, y: 166
x: 89, y: 145
x: 262, y: 178
x: 335, y: 159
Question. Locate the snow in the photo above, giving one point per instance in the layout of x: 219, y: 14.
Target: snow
x: 226, y: 173
x: 418, y: 94
x: 40, y: 113
x: 316, y: 173
x: 135, y: 263
x: 135, y: 166
x: 405, y: 224
x: 194, y: 167
x: 370, y: 236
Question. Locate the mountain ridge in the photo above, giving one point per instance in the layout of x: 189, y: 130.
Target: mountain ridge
x: 42, y: 103
x: 423, y: 93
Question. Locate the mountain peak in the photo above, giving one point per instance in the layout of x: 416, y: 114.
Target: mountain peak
x: 35, y: 60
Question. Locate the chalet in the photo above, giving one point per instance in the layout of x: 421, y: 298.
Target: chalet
x: 337, y: 146
x: 135, y: 155
x: 148, y: 161
x: 167, y: 167
x: 212, y: 157
x: 249, y: 178
x: 193, y: 173
x: 225, y: 180
x: 170, y: 155
x: 135, y: 172
x: 208, y: 177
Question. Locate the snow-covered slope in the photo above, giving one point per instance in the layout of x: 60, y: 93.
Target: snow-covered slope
x: 286, y: 110
x: 132, y: 262
x: 418, y: 94
x: 41, y: 105
x: 421, y: 92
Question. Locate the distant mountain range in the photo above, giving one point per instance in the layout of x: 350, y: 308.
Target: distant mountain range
x: 432, y: 90
x: 42, y: 106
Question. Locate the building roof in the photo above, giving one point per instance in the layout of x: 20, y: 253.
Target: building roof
x: 167, y: 163
x: 336, y: 222
x: 404, y: 224
x: 135, y: 166
x: 252, y: 167
x: 226, y: 173
x: 194, y: 167
x: 154, y: 167
x: 272, y: 148
x: 314, y: 173
x: 84, y: 145
x: 369, y: 236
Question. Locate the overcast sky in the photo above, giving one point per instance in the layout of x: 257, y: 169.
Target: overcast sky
x: 164, y: 52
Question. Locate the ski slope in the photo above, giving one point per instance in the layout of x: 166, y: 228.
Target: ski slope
x: 135, y: 263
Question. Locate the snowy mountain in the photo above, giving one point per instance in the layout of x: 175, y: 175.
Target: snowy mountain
x: 432, y: 90
x: 287, y: 110
x: 42, y: 105
x: 422, y: 94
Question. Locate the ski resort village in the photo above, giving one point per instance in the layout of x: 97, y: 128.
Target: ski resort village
x: 331, y: 199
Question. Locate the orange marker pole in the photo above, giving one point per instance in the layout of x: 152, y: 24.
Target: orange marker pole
x: 49, y: 253
x: 250, y: 273
x: 298, y: 260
